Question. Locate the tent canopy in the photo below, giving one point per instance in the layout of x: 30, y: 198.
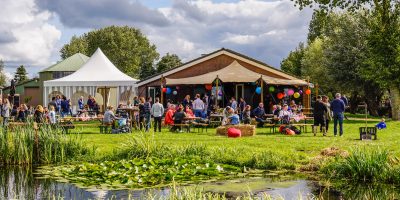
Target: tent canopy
x: 97, y: 71
x: 233, y: 73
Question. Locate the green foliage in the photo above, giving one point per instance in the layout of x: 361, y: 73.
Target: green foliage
x: 375, y: 166
x: 3, y: 77
x: 21, y: 74
x: 317, y: 25
x: 138, y: 173
x: 167, y: 62
x: 292, y: 64
x: 49, y: 146
x: 125, y: 46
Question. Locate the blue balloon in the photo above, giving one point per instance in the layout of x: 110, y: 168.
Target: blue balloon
x: 258, y: 90
x: 169, y: 91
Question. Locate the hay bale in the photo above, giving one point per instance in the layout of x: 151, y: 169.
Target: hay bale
x: 247, y: 130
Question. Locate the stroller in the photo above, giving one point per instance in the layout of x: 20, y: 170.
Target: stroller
x: 122, y: 123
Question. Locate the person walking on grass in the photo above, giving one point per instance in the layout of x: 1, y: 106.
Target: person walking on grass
x: 338, y: 107
x: 319, y: 116
x: 157, y: 110
x: 328, y: 114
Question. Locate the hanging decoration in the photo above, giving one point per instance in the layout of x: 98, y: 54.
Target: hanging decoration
x: 258, y: 90
x: 280, y: 95
x: 308, y: 92
x: 220, y: 93
x: 177, y: 87
x: 164, y: 90
x: 296, y: 95
x: 169, y: 91
x: 290, y: 92
x: 208, y: 87
x: 174, y: 92
x: 271, y: 89
x: 300, y: 91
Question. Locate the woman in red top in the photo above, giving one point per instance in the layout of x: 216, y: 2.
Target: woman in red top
x: 168, y: 116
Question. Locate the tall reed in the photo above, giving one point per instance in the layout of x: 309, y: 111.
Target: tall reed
x: 48, y: 145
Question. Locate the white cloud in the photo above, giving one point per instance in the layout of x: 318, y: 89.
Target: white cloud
x: 32, y: 38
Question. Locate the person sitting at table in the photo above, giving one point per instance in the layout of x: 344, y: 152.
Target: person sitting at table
x: 178, y: 117
x: 109, y: 117
x: 169, y: 115
x: 38, y: 116
x: 226, y: 115
x: 233, y: 118
x: 285, y: 114
x: 276, y: 113
x: 259, y: 114
x: 188, y: 111
x: 246, y: 114
x: 84, y: 114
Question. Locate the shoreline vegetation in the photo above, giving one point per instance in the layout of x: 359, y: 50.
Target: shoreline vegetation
x: 145, y: 160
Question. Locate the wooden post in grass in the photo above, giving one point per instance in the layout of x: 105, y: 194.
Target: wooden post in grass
x: 216, y: 92
x: 162, y: 94
x: 262, y: 89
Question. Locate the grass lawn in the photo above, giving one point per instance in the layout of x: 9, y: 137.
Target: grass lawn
x: 302, y: 147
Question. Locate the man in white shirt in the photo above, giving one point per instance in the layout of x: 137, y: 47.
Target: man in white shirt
x: 157, y: 110
x: 198, y: 106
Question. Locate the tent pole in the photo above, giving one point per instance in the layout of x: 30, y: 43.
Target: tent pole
x: 216, y: 91
x: 262, y: 90
x: 162, y: 94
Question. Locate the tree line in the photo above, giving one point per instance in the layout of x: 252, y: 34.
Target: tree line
x: 354, y: 50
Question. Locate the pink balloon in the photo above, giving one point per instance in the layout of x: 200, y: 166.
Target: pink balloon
x: 290, y: 92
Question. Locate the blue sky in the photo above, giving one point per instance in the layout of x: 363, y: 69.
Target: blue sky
x: 33, y: 31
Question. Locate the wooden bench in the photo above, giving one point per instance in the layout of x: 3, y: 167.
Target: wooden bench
x: 104, y: 128
x: 200, y: 126
x: 187, y: 126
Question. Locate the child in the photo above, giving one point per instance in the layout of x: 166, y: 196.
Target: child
x: 52, y: 115
x: 246, y: 115
x: 381, y: 125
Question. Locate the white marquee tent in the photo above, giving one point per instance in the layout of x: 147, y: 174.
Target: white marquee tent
x: 98, y: 72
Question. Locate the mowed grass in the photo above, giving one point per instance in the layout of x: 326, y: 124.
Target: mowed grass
x: 303, y: 147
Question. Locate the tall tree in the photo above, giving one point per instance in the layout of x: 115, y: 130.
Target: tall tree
x: 292, y: 64
x: 167, y: 62
x: 125, y: 46
x: 3, y: 77
x: 20, y: 74
x: 76, y: 45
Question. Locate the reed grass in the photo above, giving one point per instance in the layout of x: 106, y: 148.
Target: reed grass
x: 47, y: 145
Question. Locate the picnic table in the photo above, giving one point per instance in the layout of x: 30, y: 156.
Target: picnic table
x: 216, y: 119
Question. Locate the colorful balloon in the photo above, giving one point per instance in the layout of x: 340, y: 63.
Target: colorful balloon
x: 271, y: 88
x: 258, y: 90
x: 280, y: 95
x: 208, y: 87
x: 308, y: 92
x: 300, y: 91
x: 220, y: 93
x: 290, y: 92
x: 168, y: 91
x: 296, y: 95
x: 164, y: 90
x: 174, y: 92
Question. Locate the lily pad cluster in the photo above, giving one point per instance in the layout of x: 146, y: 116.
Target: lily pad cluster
x: 139, y: 173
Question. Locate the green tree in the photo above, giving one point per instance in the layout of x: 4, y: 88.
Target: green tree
x: 317, y: 25
x: 3, y: 77
x: 20, y: 74
x: 76, y: 45
x: 292, y: 64
x: 125, y: 46
x: 167, y: 62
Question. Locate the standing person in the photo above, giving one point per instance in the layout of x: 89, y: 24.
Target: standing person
x: 142, y: 113
x: 136, y: 101
x: 246, y: 115
x: 234, y: 104
x: 58, y: 103
x: 64, y: 106
x: 157, y: 110
x: 5, y: 112
x: 328, y: 114
x: 259, y: 114
x: 21, y: 116
x: 90, y: 102
x: 338, y: 107
x: 319, y: 116
x: 198, y: 106
x: 147, y: 107
x: 186, y: 101
x: 81, y: 103
x: 52, y: 103
x: 242, y: 106
x: 52, y: 115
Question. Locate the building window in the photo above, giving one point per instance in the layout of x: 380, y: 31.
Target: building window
x: 57, y: 75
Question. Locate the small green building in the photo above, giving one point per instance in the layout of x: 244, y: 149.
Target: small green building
x: 61, y: 69
x: 25, y: 92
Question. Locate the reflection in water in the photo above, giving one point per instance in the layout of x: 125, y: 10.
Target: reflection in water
x: 18, y: 183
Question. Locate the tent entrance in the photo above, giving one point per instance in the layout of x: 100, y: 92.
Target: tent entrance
x: 239, y: 91
x: 106, y: 96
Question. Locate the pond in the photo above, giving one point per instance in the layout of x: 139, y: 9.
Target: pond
x: 18, y: 183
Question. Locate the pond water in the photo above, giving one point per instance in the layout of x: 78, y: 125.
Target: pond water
x: 18, y: 183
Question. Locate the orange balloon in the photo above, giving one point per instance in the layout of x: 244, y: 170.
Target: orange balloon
x: 308, y: 91
x: 280, y: 95
x: 209, y: 87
